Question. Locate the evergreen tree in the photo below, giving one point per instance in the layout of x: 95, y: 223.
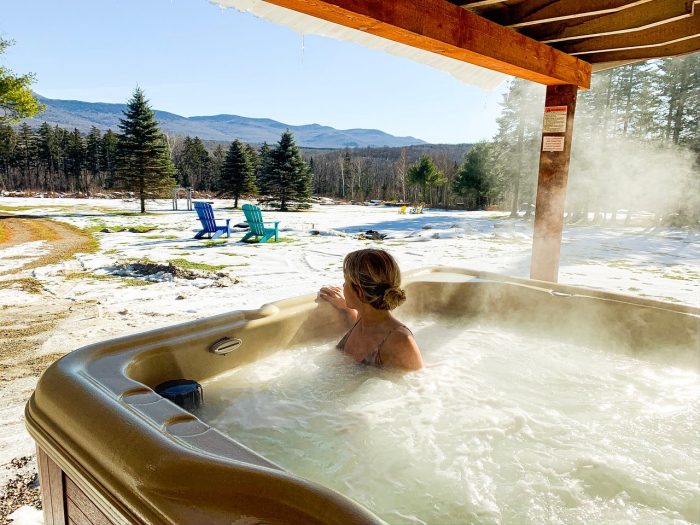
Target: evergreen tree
x: 474, y: 179
x: 26, y: 153
x: 93, y: 152
x: 144, y: 165
x: 8, y: 144
x: 47, y: 154
x: 287, y: 179
x: 253, y: 159
x: 109, y: 150
x: 264, y: 168
x: 425, y: 174
x: 237, y: 175
x: 76, y: 159
x: 218, y: 157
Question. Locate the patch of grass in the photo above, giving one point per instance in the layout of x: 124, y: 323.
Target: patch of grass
x: 18, y: 208
x: 251, y: 241
x: 189, y: 265
x: 27, y: 284
x: 209, y: 244
x: 110, y: 252
x: 633, y: 289
x: 131, y: 214
x: 620, y: 264
x: 130, y: 281
x: 677, y: 277
x: 162, y: 237
x: 89, y: 275
x: 95, y: 227
x: 124, y: 281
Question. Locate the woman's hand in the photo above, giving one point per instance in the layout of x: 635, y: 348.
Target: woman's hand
x: 334, y: 295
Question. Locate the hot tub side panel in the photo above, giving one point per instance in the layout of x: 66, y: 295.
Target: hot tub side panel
x: 142, y: 459
x: 608, y: 321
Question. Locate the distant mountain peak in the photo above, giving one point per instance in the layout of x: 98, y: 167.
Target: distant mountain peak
x: 83, y: 115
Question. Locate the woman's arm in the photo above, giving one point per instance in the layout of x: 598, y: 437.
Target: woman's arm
x: 334, y: 295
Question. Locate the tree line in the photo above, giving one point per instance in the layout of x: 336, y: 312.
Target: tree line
x: 142, y: 160
x: 636, y: 146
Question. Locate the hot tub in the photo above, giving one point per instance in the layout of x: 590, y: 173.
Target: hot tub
x: 111, y: 450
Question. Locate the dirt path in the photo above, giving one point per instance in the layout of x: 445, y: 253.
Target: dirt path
x: 23, y: 330
x: 63, y: 240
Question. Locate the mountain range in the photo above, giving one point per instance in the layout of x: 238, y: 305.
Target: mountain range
x: 72, y: 114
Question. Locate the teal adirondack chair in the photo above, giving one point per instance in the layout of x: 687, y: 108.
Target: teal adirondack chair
x: 253, y: 216
x: 205, y: 213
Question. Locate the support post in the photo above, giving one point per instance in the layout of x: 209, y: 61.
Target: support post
x: 555, y: 153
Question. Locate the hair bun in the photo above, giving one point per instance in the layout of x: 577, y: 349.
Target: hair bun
x: 394, y: 297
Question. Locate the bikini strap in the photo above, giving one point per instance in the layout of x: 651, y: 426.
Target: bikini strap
x: 377, y: 357
x: 341, y: 344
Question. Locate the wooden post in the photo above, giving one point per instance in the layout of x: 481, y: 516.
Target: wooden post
x: 555, y: 152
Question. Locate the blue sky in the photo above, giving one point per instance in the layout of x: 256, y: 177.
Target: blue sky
x: 193, y: 58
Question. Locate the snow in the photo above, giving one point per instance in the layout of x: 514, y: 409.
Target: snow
x: 660, y: 263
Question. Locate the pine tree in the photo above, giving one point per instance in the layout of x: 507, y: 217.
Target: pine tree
x: 47, y: 154
x: 109, y: 151
x: 253, y: 158
x: 424, y: 174
x: 218, y: 157
x: 26, y: 153
x: 8, y: 143
x: 93, y: 153
x: 264, y: 168
x: 144, y: 165
x: 474, y: 179
x: 288, y: 179
x: 237, y: 175
x: 76, y: 158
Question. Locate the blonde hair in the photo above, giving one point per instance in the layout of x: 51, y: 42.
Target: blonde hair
x: 376, y: 273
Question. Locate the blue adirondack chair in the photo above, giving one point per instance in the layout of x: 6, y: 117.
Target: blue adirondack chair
x: 206, y: 217
x: 253, y: 216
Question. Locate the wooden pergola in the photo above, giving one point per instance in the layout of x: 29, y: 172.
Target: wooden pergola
x: 558, y: 43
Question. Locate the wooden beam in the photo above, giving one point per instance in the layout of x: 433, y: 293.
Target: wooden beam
x: 551, y: 187
x: 683, y: 29
x: 475, y: 3
x: 613, y: 65
x: 532, y: 12
x: 644, y: 16
x: 445, y: 29
x: 683, y: 47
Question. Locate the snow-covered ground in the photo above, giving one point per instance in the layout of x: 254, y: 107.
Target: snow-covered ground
x: 660, y: 263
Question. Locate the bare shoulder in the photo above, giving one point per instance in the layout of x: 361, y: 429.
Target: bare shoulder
x: 401, y: 350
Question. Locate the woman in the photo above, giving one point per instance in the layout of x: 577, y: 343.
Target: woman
x: 372, y: 288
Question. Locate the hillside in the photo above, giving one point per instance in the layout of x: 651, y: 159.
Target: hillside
x: 83, y: 115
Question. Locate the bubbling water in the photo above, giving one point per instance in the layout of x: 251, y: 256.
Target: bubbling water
x: 498, y: 428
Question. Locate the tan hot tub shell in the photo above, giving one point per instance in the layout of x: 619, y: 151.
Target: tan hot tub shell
x: 111, y: 450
